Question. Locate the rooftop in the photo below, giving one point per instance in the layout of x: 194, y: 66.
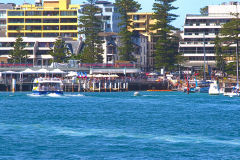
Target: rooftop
x: 7, y: 6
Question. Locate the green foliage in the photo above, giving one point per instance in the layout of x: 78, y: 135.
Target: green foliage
x: 204, y: 10
x: 230, y: 32
x: 166, y: 53
x: 127, y: 46
x: 60, y: 52
x: 18, y: 54
x: 91, y: 26
x: 219, y: 52
x: 230, y: 68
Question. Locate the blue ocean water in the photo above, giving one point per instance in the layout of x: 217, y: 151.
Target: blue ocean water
x: 89, y: 126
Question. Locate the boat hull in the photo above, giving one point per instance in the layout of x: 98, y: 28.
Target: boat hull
x: 47, y: 92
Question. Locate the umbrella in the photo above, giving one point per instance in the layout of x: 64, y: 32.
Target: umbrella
x: 28, y: 71
x: 57, y: 71
x: 72, y: 74
x: 42, y: 71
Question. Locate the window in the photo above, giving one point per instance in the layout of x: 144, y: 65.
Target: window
x: 136, y: 17
x: 33, y: 21
x: 2, y: 13
x: 13, y: 20
x: 106, y: 17
x: 50, y: 34
x: 15, y: 27
x: 33, y: 13
x: 50, y: 27
x: 108, y: 9
x: 15, y: 13
x: 50, y: 20
x: 33, y: 28
x: 68, y: 27
x: 68, y: 20
x: 68, y: 34
x: 50, y: 13
x: 68, y: 13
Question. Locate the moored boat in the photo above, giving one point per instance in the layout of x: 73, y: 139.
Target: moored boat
x: 44, y: 86
x: 214, y: 88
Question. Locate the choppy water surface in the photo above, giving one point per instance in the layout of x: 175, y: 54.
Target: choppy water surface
x: 168, y: 125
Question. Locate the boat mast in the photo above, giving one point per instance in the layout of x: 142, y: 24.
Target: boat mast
x: 204, y: 52
x: 237, y: 45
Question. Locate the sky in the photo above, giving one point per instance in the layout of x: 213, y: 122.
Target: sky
x: 184, y: 7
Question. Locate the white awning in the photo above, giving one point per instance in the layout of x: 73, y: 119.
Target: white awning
x: 71, y: 74
x: 28, y: 71
x: 57, y: 71
x: 42, y: 71
x: 11, y: 72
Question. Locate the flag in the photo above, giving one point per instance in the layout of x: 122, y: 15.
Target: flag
x: 78, y: 74
x: 85, y: 74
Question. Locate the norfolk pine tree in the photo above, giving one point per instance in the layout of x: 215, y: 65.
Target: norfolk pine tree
x: 59, y: 52
x: 230, y: 32
x: 18, y: 53
x: 166, y: 52
x: 127, y: 47
x: 219, y: 53
x: 91, y: 25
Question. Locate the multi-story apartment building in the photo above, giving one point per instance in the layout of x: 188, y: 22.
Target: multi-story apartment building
x: 200, y: 32
x: 110, y: 18
x: 37, y: 48
x: 142, y: 23
x: 3, y: 17
x: 140, y: 52
x: 50, y: 18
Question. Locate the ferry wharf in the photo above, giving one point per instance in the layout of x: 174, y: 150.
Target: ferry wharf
x: 93, y: 80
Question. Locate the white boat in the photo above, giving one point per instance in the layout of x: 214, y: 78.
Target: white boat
x: 44, y: 86
x: 231, y: 92
x: 214, y: 88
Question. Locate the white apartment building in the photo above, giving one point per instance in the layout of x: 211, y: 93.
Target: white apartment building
x: 37, y: 48
x: 3, y: 17
x: 200, y: 32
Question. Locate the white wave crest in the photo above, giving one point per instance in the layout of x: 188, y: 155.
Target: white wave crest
x: 163, y: 138
x: 74, y: 95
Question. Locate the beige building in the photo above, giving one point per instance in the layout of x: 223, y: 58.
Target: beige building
x: 142, y: 23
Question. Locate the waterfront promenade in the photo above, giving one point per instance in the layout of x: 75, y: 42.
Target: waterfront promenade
x: 80, y: 78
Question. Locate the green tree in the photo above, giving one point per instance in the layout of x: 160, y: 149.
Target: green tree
x: 230, y: 32
x: 166, y: 42
x: 204, y: 10
x: 91, y: 25
x: 18, y: 54
x: 60, y: 52
x: 219, y: 53
x: 127, y: 46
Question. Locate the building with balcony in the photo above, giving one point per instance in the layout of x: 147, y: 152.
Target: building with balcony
x: 142, y: 23
x: 50, y: 18
x: 110, y: 19
x: 110, y: 16
x: 200, y: 32
x: 37, y: 48
x: 3, y: 17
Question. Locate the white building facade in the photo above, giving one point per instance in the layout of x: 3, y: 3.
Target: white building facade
x: 3, y: 18
x: 37, y: 48
x: 200, y: 32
